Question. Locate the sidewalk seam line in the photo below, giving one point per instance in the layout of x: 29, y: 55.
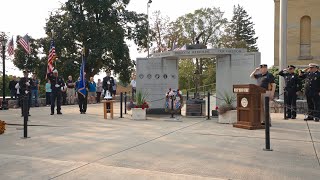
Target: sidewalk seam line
x: 314, y: 148
x: 126, y: 149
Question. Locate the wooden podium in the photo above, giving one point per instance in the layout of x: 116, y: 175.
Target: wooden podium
x: 249, y: 106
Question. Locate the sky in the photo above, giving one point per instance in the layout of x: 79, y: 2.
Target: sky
x: 19, y: 17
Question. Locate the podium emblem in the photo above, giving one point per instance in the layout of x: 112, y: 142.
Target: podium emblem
x: 244, y: 102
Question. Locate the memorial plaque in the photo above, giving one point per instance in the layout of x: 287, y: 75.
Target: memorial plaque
x: 157, y: 82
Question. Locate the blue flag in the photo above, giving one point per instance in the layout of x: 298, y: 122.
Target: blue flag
x: 82, y: 84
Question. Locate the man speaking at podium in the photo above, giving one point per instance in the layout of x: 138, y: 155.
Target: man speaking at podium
x: 266, y: 81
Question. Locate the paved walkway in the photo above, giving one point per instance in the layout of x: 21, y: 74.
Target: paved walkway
x: 75, y: 146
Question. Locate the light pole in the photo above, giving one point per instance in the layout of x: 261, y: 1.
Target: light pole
x: 148, y: 5
x: 3, y: 43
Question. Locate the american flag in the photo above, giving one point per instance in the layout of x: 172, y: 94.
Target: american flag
x: 10, y: 47
x: 51, y: 57
x: 24, y: 42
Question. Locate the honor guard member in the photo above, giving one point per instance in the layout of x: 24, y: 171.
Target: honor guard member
x: 83, y: 98
x: 25, y: 91
x: 266, y: 81
x: 291, y: 89
x: 57, y: 84
x: 108, y: 83
x: 312, y: 91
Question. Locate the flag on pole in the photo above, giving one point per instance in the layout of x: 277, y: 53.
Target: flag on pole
x: 11, y: 47
x: 24, y: 42
x: 51, y: 57
x: 82, y: 84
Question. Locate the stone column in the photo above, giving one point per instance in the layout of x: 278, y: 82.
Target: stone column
x: 283, y: 42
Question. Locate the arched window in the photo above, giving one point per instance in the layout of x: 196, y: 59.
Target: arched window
x: 305, y: 37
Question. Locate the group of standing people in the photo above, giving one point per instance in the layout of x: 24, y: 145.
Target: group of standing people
x: 293, y: 86
x: 56, y: 87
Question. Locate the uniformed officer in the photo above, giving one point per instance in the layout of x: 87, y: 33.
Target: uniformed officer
x: 292, y: 89
x: 25, y: 91
x: 57, y: 84
x: 108, y: 83
x: 312, y: 91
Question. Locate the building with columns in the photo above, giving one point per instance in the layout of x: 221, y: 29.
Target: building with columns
x: 303, y: 32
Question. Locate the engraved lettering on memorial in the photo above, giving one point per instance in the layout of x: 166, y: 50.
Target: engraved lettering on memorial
x: 157, y: 76
x: 141, y: 76
x: 149, y: 76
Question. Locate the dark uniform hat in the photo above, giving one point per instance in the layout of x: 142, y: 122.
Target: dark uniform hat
x: 263, y: 65
x: 291, y: 66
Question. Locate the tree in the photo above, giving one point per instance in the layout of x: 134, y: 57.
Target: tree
x: 99, y: 26
x: 186, y: 74
x: 239, y: 33
x: 7, y: 80
x: 159, y: 32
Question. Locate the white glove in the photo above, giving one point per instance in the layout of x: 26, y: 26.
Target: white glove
x: 26, y: 92
x: 57, y: 85
x: 27, y: 83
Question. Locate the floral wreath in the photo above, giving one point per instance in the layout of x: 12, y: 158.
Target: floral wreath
x: 177, y: 98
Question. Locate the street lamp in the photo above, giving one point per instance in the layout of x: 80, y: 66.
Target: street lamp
x: 3, y: 43
x: 148, y: 5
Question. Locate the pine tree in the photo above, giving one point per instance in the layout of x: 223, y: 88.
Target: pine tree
x: 240, y: 32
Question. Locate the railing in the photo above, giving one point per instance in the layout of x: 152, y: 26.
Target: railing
x: 202, y: 90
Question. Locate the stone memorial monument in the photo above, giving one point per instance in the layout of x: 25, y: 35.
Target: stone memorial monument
x: 155, y: 75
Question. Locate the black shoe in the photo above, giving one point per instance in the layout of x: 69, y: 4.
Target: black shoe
x: 316, y: 119
x: 84, y: 112
x: 52, y: 114
x: 293, y: 117
x: 59, y: 113
x: 308, y: 118
x: 262, y: 123
x: 29, y: 115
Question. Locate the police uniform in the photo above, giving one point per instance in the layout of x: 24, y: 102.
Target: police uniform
x: 107, y: 84
x: 312, y: 90
x: 56, y: 84
x: 292, y: 87
x: 25, y: 92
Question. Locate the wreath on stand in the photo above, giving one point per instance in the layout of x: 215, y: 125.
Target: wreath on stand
x: 176, y: 97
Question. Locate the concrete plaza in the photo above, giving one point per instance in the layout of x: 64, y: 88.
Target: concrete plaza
x: 75, y: 146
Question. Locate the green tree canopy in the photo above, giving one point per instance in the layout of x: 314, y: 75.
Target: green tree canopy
x: 240, y: 32
x: 101, y: 26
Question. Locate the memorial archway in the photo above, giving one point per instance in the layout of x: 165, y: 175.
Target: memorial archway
x: 155, y: 75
